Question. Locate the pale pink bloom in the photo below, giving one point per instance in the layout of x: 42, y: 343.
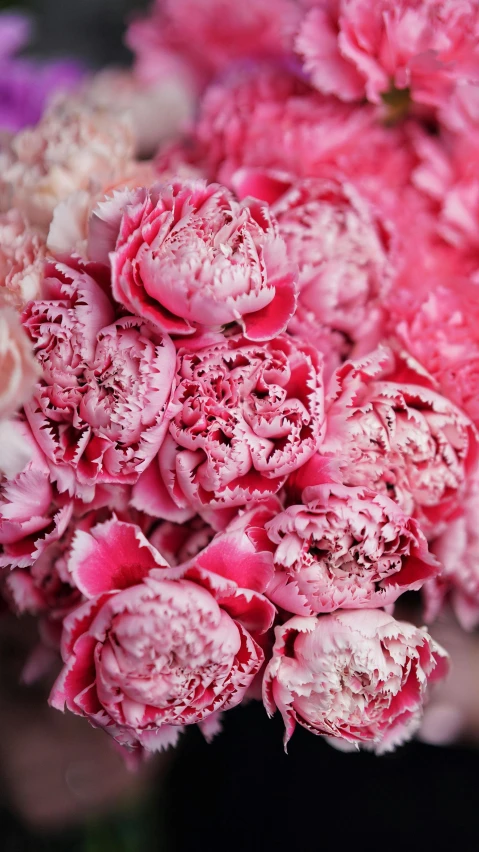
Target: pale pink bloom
x: 189, y: 40
x: 442, y: 331
x: 99, y: 411
x: 372, y: 48
x: 347, y: 547
x: 187, y: 254
x: 458, y: 550
x: 266, y: 118
x: 155, y: 648
x: 358, y: 676
x: 156, y: 110
x: 18, y: 369
x: 242, y: 417
x: 31, y: 515
x: 338, y: 243
x: 392, y: 433
x: 72, y: 148
x: 22, y: 252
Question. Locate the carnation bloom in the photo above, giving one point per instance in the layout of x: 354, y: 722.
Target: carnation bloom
x: 184, y: 38
x: 18, y: 368
x: 31, y: 516
x: 22, y: 252
x: 187, y: 254
x: 421, y: 48
x: 98, y: 412
x: 357, y: 676
x: 338, y: 244
x: 346, y: 547
x: 242, y: 417
x: 155, y: 648
x: 266, y: 118
x: 391, y: 432
x: 72, y: 148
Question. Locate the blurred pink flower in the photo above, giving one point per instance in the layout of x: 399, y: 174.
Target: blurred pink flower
x: 22, y: 253
x: 18, y: 368
x: 347, y: 547
x: 155, y: 648
x: 241, y: 419
x: 99, y: 411
x: 372, y: 48
x: 356, y: 676
x: 391, y: 432
x: 188, y: 254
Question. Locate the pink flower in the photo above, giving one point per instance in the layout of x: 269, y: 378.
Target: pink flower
x: 242, y: 418
x: 199, y: 39
x: 22, y: 252
x: 421, y: 48
x: 458, y: 550
x: 268, y: 119
x: 72, y: 148
x: 18, y: 368
x: 155, y: 648
x: 338, y: 243
x: 347, y: 547
x: 392, y: 433
x: 99, y: 411
x: 356, y: 676
x: 188, y: 254
x: 31, y: 515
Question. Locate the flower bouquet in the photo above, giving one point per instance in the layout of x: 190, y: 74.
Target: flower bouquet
x: 239, y: 353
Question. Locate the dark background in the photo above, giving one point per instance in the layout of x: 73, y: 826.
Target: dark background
x: 242, y: 792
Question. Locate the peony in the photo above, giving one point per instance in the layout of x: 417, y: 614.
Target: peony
x: 31, y: 515
x: 346, y: 547
x: 18, y: 369
x: 338, y: 244
x: 392, y: 433
x: 22, y: 253
x: 242, y: 417
x: 155, y: 648
x: 187, y: 254
x: 72, y: 148
x: 187, y: 39
x: 391, y: 49
x: 356, y: 676
x: 99, y: 411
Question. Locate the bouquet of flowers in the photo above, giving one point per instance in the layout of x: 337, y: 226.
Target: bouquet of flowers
x: 239, y: 354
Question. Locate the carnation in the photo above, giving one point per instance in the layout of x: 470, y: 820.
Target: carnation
x: 357, y: 48
x: 99, y: 411
x: 346, y: 547
x: 242, y: 417
x: 22, y: 253
x: 355, y: 676
x: 18, y: 368
x: 156, y: 648
x: 187, y: 254
x: 391, y: 432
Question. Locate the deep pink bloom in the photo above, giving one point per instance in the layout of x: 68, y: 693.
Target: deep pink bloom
x: 357, y: 676
x: 196, y: 40
x: 338, y: 243
x: 357, y: 48
x: 347, y: 547
x: 391, y: 432
x: 31, y: 516
x: 22, y: 252
x: 242, y: 418
x: 18, y: 368
x: 186, y: 254
x: 155, y: 648
x: 99, y: 411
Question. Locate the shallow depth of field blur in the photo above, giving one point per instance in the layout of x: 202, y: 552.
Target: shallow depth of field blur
x: 64, y: 787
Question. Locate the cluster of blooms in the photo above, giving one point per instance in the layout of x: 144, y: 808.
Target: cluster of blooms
x: 239, y: 390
